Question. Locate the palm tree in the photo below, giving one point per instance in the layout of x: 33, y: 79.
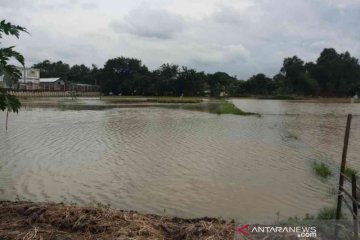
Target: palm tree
x: 10, y: 103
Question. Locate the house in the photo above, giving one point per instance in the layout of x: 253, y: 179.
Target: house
x: 52, y: 84
x: 29, y: 80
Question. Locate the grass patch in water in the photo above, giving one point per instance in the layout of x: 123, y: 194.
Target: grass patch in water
x: 127, y: 99
x: 292, y: 136
x: 327, y: 213
x: 278, y: 97
x: 220, y: 107
x: 321, y: 170
x: 350, y: 171
x: 175, y: 100
x: 134, y: 99
x: 229, y: 108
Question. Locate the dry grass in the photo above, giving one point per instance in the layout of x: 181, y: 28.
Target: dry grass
x: 36, y: 221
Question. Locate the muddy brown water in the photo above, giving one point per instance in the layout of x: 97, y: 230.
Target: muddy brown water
x: 178, y: 162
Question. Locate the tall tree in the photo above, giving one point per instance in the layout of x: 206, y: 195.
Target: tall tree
x: 259, y: 84
x: 220, y: 82
x: 50, y: 69
x: 118, y: 75
x: 293, y: 69
x: 337, y: 74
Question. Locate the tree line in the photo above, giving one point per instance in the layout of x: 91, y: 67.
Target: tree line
x: 332, y: 74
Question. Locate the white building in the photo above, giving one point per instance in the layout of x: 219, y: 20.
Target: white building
x: 30, y: 79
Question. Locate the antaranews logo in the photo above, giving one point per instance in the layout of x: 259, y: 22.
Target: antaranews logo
x: 301, y: 232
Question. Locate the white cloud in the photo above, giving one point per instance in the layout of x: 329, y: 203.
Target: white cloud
x: 242, y: 37
x: 152, y: 23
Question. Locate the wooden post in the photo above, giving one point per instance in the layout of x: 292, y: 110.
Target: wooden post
x: 355, y: 207
x: 342, y: 170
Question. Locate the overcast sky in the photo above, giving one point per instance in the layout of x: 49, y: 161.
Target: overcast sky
x: 241, y: 37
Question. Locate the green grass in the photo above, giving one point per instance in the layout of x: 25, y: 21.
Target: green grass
x: 175, y: 100
x: 277, y: 97
x: 219, y: 107
x: 135, y: 99
x: 321, y: 170
x: 327, y: 213
x: 292, y: 136
x: 228, y: 108
x: 127, y: 99
x: 350, y: 171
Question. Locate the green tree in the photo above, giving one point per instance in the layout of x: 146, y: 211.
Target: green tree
x: 220, y: 82
x: 9, y: 103
x: 190, y: 82
x: 293, y: 70
x: 120, y: 75
x: 165, y: 79
x: 337, y: 74
x: 50, y: 69
x: 259, y: 84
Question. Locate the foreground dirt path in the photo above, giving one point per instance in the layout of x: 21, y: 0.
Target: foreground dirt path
x: 30, y: 221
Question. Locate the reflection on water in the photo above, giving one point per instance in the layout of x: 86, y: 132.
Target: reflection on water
x: 185, y: 163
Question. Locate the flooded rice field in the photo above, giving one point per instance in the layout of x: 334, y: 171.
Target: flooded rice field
x: 179, y: 162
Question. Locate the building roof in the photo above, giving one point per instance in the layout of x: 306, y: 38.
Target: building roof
x: 49, y: 80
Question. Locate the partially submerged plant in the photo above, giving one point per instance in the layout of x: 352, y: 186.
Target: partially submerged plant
x: 327, y: 213
x: 321, y: 169
x: 10, y: 103
x: 350, y: 171
x: 292, y: 136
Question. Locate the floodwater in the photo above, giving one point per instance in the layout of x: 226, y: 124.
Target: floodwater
x: 179, y: 162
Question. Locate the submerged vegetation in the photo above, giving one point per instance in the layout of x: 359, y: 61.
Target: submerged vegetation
x: 229, y: 108
x: 175, y: 100
x: 134, y: 99
x: 216, y: 107
x: 350, y: 171
x: 321, y: 169
x: 327, y: 213
x: 292, y: 136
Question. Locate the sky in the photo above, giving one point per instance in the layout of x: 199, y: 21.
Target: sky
x: 240, y: 37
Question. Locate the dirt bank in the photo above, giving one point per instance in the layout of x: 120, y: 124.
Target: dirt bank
x: 24, y: 220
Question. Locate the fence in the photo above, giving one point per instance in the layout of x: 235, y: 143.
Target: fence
x: 36, y: 93
x: 342, y: 192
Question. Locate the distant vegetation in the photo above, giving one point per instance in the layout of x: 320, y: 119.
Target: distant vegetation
x: 321, y: 169
x: 332, y: 74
